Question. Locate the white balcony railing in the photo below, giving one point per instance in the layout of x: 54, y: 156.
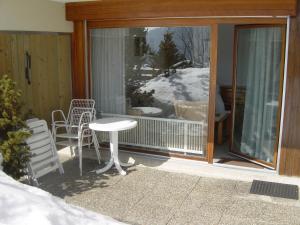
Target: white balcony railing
x: 164, y: 134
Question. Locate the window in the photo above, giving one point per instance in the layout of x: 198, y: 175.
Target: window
x: 158, y: 75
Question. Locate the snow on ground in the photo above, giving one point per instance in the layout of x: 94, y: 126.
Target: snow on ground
x: 191, y: 84
x: 26, y: 205
x: 145, y: 67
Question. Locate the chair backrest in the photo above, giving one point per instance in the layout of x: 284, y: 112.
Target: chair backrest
x: 87, y: 104
x: 77, y: 112
x: 191, y: 110
x: 85, y: 119
x: 44, y: 157
x: 81, y: 115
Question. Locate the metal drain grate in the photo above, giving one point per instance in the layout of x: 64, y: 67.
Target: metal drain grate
x: 274, y: 189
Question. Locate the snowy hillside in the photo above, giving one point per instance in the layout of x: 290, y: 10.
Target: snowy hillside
x: 191, y: 84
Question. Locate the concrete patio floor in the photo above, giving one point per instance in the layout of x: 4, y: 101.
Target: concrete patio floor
x: 149, y: 196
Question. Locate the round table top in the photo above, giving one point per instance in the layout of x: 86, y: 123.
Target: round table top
x: 112, y: 124
x: 149, y: 111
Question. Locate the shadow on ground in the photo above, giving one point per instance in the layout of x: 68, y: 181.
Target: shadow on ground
x: 71, y: 183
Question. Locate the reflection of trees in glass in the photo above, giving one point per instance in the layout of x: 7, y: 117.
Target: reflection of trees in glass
x: 186, y: 37
x: 135, y: 46
x: 150, y: 52
x: 136, y: 57
x: 194, y: 44
x: 139, y: 98
x: 168, y: 53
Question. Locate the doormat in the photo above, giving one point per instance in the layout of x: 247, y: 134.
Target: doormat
x: 275, y: 189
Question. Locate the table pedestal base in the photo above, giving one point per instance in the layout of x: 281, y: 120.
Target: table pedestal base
x: 114, y: 156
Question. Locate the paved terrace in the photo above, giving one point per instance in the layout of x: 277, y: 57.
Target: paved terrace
x: 150, y: 196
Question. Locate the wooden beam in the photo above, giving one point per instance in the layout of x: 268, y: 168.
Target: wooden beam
x: 290, y: 153
x: 175, y: 22
x: 212, y: 92
x: 78, y: 60
x: 129, y: 9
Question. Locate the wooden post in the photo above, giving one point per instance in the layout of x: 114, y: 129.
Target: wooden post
x: 212, y: 92
x: 290, y: 147
x: 78, y: 60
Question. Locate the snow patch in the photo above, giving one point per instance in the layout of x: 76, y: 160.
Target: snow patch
x: 26, y: 205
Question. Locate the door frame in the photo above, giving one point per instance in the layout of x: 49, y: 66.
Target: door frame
x: 237, y: 28
x: 81, y: 51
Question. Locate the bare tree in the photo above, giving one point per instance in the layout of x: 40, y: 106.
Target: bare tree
x: 186, y: 36
x: 195, y: 44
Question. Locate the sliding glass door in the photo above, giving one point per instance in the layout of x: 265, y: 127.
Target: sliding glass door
x: 257, y: 96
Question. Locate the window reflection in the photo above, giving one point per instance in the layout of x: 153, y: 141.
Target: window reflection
x: 160, y: 77
x: 167, y: 72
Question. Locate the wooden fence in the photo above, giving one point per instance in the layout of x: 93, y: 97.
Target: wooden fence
x: 47, y: 57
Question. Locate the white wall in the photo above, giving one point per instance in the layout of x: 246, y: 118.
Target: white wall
x: 225, y: 54
x: 33, y: 15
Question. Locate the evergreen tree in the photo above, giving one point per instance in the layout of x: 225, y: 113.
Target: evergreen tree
x: 168, y: 53
x: 13, y: 130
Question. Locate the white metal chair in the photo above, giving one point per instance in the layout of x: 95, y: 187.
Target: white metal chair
x: 65, y: 122
x: 78, y: 134
x: 70, y: 123
x: 44, y: 158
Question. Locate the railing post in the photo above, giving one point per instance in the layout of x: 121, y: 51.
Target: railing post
x: 185, y: 141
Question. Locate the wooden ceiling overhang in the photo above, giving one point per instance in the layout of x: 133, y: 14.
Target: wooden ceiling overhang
x: 149, y: 9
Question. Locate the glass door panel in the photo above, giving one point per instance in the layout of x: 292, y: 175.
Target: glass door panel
x: 257, y: 95
x: 159, y: 76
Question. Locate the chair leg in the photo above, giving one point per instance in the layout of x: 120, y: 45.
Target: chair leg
x: 71, y: 151
x: 60, y: 168
x: 89, y: 141
x: 71, y: 147
x: 54, y: 133
x: 80, y: 155
x: 70, y: 142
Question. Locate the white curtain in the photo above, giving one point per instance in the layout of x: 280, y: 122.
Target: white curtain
x: 258, y: 69
x: 108, y: 70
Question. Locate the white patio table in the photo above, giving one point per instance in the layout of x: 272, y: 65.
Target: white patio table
x: 149, y: 111
x: 113, y: 125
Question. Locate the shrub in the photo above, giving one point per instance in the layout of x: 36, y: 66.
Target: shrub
x: 13, y: 130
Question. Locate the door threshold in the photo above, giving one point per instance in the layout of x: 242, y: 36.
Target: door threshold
x: 192, y: 163
x: 252, y: 161
x: 244, y: 168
